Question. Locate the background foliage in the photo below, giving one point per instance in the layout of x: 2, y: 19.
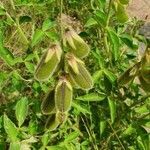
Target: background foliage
x: 105, y: 117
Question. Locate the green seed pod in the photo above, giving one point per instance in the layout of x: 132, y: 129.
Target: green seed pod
x: 63, y: 95
x: 83, y: 78
x: 62, y: 116
x: 77, y: 45
x: 48, y: 63
x: 129, y: 75
x: 48, y: 104
x: 145, y: 66
x: 144, y: 85
x: 121, y: 13
x: 52, y: 122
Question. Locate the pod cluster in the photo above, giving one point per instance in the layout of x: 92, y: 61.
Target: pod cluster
x: 141, y: 70
x: 73, y: 74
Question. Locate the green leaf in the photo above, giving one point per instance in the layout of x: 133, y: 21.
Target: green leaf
x: 30, y: 67
x: 111, y: 76
x: 10, y: 129
x: 47, y: 24
x: 112, y: 108
x: 72, y: 136
x: 81, y: 108
x: 102, y: 126
x: 55, y: 147
x: 5, y: 54
x: 128, y: 40
x: 97, y: 75
x: 21, y: 110
x: 90, y: 22
x: 15, y: 146
x: 121, y: 13
x: 92, y: 97
x: 114, y: 40
x: 100, y: 17
x: 37, y: 37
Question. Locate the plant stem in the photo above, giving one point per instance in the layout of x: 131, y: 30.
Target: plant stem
x: 106, y: 44
x: 116, y: 135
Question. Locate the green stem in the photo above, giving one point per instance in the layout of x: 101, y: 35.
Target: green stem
x: 106, y: 44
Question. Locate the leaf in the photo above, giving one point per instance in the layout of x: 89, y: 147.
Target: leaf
x: 121, y: 13
x: 100, y: 17
x: 5, y: 54
x: 90, y: 22
x: 30, y: 67
x: 72, y: 136
x: 21, y: 110
x: 102, y: 126
x: 111, y: 76
x: 15, y: 146
x: 92, y: 97
x: 128, y: 40
x: 55, y: 147
x: 81, y: 108
x: 129, y: 131
x: 37, y: 37
x: 97, y: 75
x: 47, y: 24
x: 114, y: 40
x: 112, y: 108
x: 10, y: 129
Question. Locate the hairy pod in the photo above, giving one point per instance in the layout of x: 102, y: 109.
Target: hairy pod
x: 83, y: 78
x: 52, y: 122
x: 62, y: 116
x: 48, y: 63
x: 129, y: 74
x: 76, y: 44
x: 63, y: 95
x: 48, y: 103
x: 144, y: 85
x: 145, y: 66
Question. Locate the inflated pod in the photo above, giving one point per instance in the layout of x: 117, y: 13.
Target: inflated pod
x: 63, y: 95
x: 145, y: 66
x: 76, y: 44
x: 48, y: 63
x: 78, y: 72
x: 48, y: 103
x: 144, y: 85
x: 129, y: 75
x: 52, y: 122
